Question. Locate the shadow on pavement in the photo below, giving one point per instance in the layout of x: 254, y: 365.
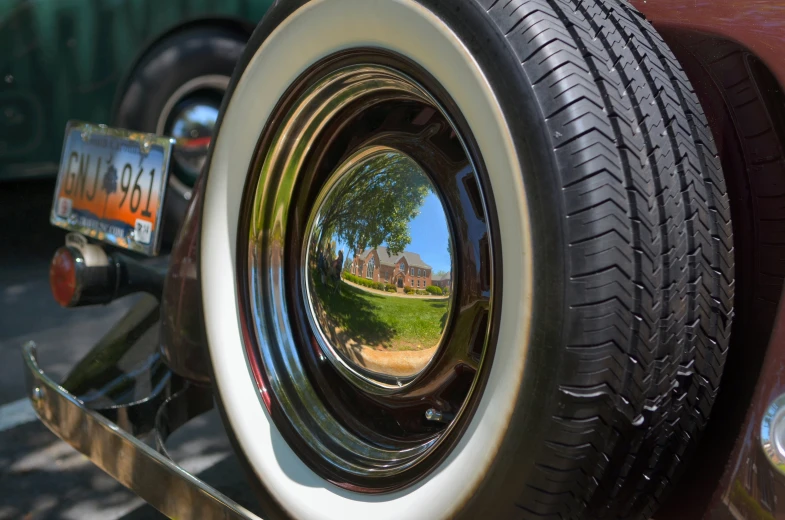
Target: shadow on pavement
x: 40, y: 476
x: 49, y: 479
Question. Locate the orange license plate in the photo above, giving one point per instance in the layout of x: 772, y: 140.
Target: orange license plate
x: 111, y: 185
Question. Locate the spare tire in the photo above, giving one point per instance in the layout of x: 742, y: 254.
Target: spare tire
x: 591, y: 260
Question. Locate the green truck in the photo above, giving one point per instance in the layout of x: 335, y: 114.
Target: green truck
x: 150, y: 65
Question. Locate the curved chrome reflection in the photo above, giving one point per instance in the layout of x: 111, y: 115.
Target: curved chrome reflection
x: 373, y: 301
x: 772, y: 433
x: 193, y: 125
x: 190, y: 115
x: 356, y: 452
x: 284, y: 368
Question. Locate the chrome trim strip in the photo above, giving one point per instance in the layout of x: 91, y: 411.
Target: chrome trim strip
x: 152, y: 476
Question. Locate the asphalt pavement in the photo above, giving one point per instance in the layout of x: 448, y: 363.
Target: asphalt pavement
x: 40, y: 476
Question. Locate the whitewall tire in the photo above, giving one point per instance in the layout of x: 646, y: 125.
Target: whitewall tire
x: 531, y: 403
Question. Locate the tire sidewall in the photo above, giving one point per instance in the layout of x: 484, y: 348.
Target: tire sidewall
x: 170, y: 64
x: 526, y: 419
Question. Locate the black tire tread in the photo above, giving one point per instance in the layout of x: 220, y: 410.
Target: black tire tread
x: 649, y: 251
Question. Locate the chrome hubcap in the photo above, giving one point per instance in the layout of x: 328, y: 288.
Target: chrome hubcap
x: 193, y: 125
x: 380, y: 319
x: 367, y: 272
x: 190, y: 115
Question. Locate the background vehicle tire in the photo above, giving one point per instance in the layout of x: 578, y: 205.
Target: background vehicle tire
x: 187, y: 71
x: 616, y: 255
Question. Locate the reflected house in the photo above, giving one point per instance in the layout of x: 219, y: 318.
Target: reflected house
x: 406, y: 269
x: 443, y: 280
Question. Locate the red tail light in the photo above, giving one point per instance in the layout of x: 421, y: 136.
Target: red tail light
x: 62, y: 277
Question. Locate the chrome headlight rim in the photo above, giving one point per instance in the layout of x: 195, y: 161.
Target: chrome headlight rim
x: 283, y: 354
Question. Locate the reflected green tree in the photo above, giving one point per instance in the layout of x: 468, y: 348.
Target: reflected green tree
x: 375, y: 203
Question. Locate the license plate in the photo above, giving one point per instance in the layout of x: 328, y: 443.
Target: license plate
x: 111, y: 185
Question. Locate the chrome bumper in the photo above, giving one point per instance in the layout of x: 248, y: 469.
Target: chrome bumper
x: 107, y: 435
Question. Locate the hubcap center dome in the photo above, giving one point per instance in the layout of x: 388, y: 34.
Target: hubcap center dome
x: 378, y: 269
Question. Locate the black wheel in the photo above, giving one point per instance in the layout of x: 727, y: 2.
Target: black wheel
x: 176, y: 90
x: 574, y: 183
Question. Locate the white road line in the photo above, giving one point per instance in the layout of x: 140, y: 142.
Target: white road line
x: 16, y: 414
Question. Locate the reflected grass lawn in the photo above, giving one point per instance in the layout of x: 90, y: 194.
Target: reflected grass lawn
x: 380, y: 321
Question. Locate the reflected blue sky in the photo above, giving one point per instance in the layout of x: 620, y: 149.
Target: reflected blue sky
x: 202, y: 114
x: 429, y: 234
